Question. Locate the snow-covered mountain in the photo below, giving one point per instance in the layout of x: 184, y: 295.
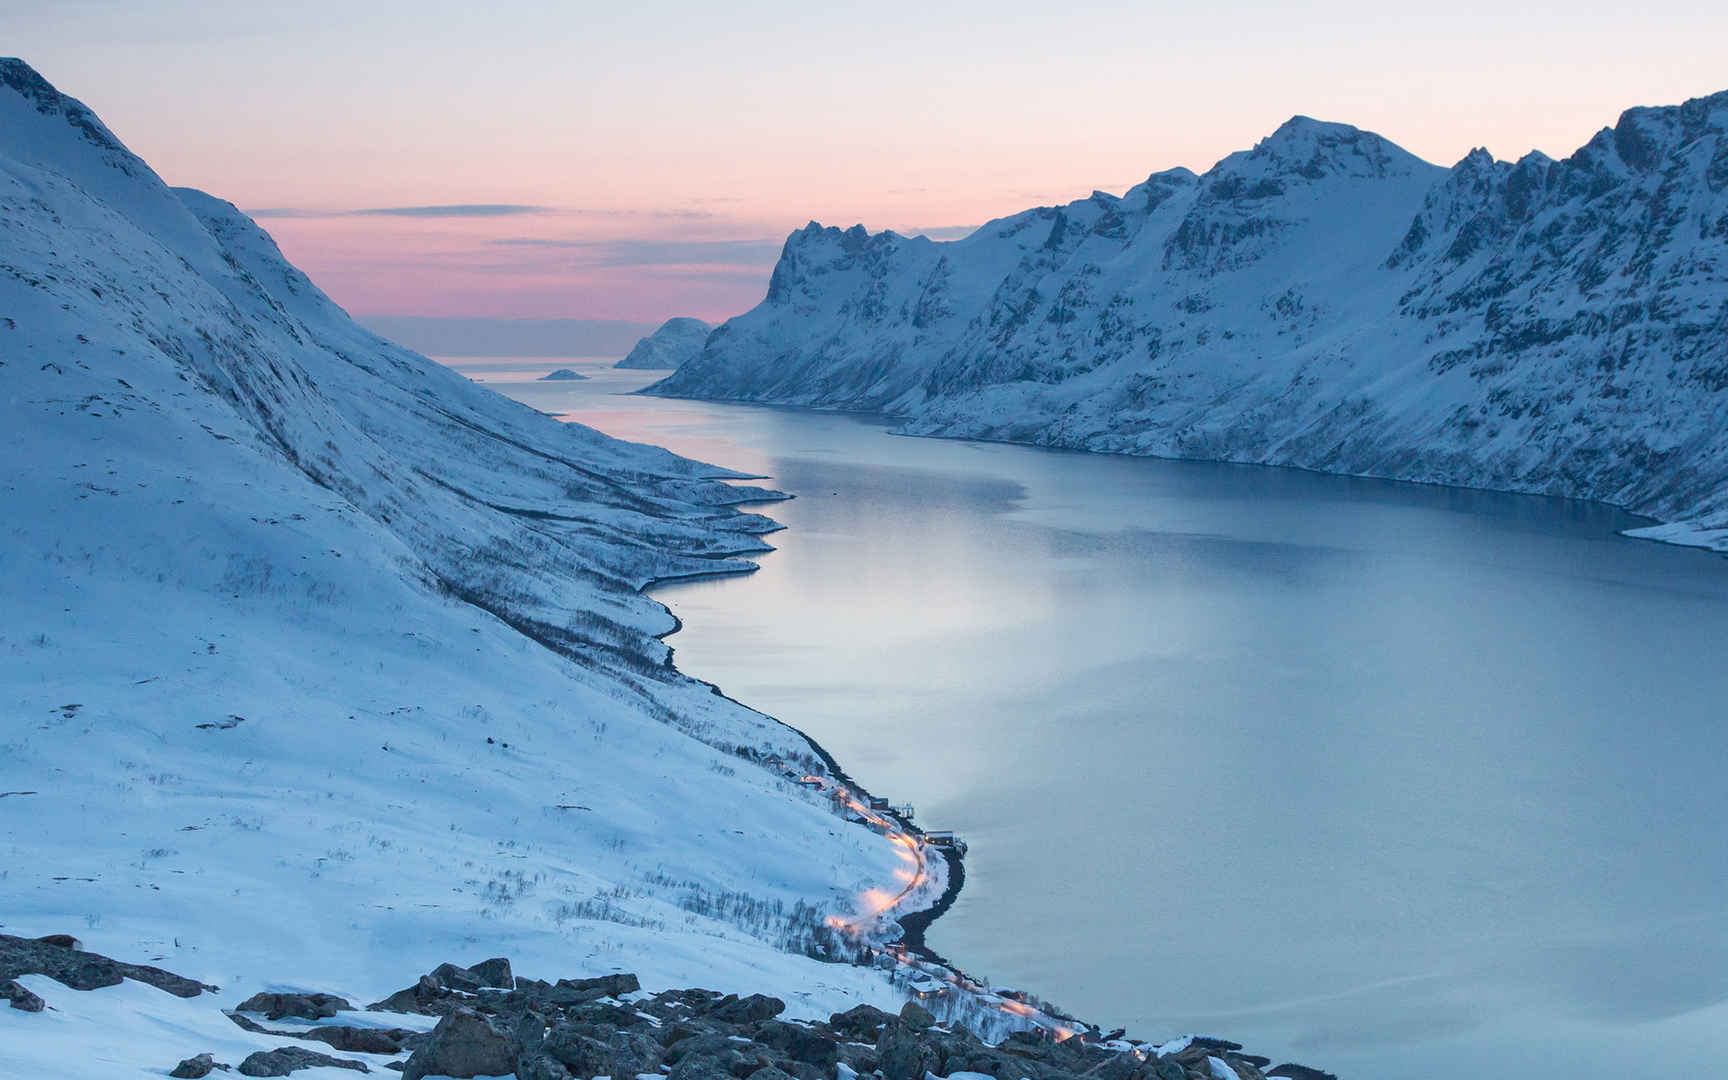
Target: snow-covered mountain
x: 321, y: 663
x: 676, y: 340
x: 1324, y: 300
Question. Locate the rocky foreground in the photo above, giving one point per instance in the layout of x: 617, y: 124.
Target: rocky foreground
x: 492, y: 1023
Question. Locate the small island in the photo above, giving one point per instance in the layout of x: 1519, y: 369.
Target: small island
x: 563, y: 374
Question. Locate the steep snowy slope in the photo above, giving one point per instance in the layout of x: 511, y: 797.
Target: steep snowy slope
x: 676, y: 341
x: 1324, y: 300
x: 321, y: 664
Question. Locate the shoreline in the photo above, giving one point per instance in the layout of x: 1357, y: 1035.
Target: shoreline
x: 913, y: 924
x: 894, y: 425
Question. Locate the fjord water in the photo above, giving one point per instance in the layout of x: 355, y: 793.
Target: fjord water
x: 1401, y: 781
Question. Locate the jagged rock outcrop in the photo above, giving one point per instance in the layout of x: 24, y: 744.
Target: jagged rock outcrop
x: 1324, y: 300
x: 79, y: 969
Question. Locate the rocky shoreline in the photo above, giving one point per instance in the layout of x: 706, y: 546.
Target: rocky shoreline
x: 492, y: 1023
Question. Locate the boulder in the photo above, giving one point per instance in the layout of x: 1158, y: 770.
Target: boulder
x: 751, y: 1010
x: 304, y: 1006
x: 540, y: 1067
x: 194, y: 1067
x: 356, y: 1040
x: 914, y: 1015
x: 861, y: 1022
x: 606, y: 985
x: 902, y: 1055
x: 798, y: 1043
x: 428, y: 997
x: 21, y: 997
x: 493, y: 972
x: 464, y: 1044
x: 287, y: 1059
x: 64, y: 963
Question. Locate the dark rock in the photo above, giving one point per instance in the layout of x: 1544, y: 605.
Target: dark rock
x: 494, y: 972
x: 1169, y: 1070
x: 464, y: 1044
x: 710, y: 1056
x: 915, y: 1015
x: 540, y: 1067
x: 860, y: 1022
x: 797, y: 1043
x: 632, y: 1053
x: 357, y: 1040
x: 769, y: 1073
x: 860, y: 1059
x: 83, y: 970
x: 751, y: 1010
x: 1251, y: 1059
x: 287, y: 1059
x: 456, y: 978
x: 428, y: 997
x: 304, y: 1006
x: 194, y: 1067
x: 61, y: 941
x: 608, y: 985
x: 710, y: 1043
x: 1209, y: 1043
x: 21, y: 997
x: 248, y: 1024
x: 902, y: 1055
x: 577, y: 1050
x: 673, y: 1033
x: 1300, y: 1072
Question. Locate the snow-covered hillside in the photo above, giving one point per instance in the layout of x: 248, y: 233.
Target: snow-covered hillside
x: 676, y: 341
x: 320, y: 663
x: 1324, y: 300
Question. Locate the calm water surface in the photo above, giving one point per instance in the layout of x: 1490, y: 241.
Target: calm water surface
x: 1397, y: 780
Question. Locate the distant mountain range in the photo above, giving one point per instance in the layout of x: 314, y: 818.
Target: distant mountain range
x: 675, y: 341
x: 1324, y: 300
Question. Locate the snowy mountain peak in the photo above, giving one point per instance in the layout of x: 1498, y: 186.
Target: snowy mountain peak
x: 675, y: 341
x: 1324, y: 299
x: 24, y: 91
x: 1316, y: 149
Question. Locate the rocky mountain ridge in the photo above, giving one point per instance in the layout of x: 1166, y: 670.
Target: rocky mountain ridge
x: 1324, y: 300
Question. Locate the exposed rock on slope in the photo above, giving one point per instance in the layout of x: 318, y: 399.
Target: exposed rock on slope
x: 676, y: 341
x: 1324, y: 300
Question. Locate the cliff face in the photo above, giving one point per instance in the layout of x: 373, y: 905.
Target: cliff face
x: 1324, y: 300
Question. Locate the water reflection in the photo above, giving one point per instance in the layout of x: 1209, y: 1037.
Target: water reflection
x: 1401, y: 779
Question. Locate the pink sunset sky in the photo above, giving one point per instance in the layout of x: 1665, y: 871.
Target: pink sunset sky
x: 640, y: 160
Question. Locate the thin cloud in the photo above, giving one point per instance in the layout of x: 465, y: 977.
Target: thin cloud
x: 453, y: 210
x: 621, y: 253
x: 459, y: 210
x: 478, y: 210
